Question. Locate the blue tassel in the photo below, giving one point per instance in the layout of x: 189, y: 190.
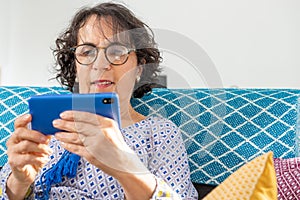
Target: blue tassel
x: 66, y: 166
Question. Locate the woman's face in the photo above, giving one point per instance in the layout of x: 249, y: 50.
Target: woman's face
x: 101, y: 76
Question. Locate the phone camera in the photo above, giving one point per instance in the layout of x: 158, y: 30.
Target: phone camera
x: 107, y: 100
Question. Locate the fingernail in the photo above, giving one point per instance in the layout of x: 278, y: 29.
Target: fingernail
x: 56, y: 122
x: 63, y: 115
x: 43, y: 139
x: 26, y: 116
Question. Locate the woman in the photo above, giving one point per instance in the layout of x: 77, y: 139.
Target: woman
x: 106, y: 49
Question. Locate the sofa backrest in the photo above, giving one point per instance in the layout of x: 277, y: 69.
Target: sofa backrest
x: 222, y: 128
x: 225, y: 128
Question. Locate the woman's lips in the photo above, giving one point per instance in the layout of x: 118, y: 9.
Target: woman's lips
x: 102, y: 83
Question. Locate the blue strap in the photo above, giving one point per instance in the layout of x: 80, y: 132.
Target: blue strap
x: 66, y: 166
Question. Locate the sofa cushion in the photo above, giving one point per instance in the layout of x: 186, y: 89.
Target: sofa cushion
x: 255, y: 180
x: 225, y: 128
x: 13, y: 103
x: 288, y: 178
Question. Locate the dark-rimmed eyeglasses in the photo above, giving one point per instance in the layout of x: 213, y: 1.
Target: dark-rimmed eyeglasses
x: 115, y: 53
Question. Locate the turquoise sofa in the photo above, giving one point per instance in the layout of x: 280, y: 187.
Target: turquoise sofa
x: 222, y: 128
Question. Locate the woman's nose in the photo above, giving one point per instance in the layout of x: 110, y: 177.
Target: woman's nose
x: 101, y: 63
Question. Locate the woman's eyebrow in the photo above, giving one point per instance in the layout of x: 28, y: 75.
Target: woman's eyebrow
x: 104, y: 43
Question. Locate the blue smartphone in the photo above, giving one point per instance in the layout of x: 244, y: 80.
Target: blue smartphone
x: 46, y: 108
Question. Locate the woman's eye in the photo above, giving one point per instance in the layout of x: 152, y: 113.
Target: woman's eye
x: 87, y: 53
x: 117, y: 52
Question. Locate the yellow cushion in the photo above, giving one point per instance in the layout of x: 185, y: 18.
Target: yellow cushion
x: 255, y: 180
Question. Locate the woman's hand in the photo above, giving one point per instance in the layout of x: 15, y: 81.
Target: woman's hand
x: 27, y: 152
x: 99, y: 140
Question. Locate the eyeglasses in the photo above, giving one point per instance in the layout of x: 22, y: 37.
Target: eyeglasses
x: 115, y: 53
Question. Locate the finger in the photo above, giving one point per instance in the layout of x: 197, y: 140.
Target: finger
x: 76, y: 127
x: 82, y: 152
x: 22, y: 121
x: 91, y: 118
x: 26, y: 146
x: 20, y: 160
x: 75, y: 148
x: 31, y: 135
x: 68, y: 137
x: 111, y: 133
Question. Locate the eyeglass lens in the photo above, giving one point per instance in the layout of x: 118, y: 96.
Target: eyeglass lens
x: 115, y: 54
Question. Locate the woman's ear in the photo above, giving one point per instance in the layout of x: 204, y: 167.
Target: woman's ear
x: 140, y: 67
x: 140, y: 70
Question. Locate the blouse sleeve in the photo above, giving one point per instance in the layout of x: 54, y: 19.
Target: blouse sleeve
x: 169, y: 162
x: 4, y: 174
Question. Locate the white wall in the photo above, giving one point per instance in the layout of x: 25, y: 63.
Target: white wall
x: 250, y: 43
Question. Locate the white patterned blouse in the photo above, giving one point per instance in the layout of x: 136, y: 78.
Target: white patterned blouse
x: 157, y: 142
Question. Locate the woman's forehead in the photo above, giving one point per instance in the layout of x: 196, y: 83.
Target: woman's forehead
x: 100, y: 31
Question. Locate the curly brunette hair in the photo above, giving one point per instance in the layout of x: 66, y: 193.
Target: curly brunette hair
x: 122, y: 19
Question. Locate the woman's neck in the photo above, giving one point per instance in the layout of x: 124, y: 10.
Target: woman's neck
x: 129, y: 116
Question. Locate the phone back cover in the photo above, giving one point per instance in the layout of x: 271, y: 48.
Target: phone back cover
x: 46, y: 108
